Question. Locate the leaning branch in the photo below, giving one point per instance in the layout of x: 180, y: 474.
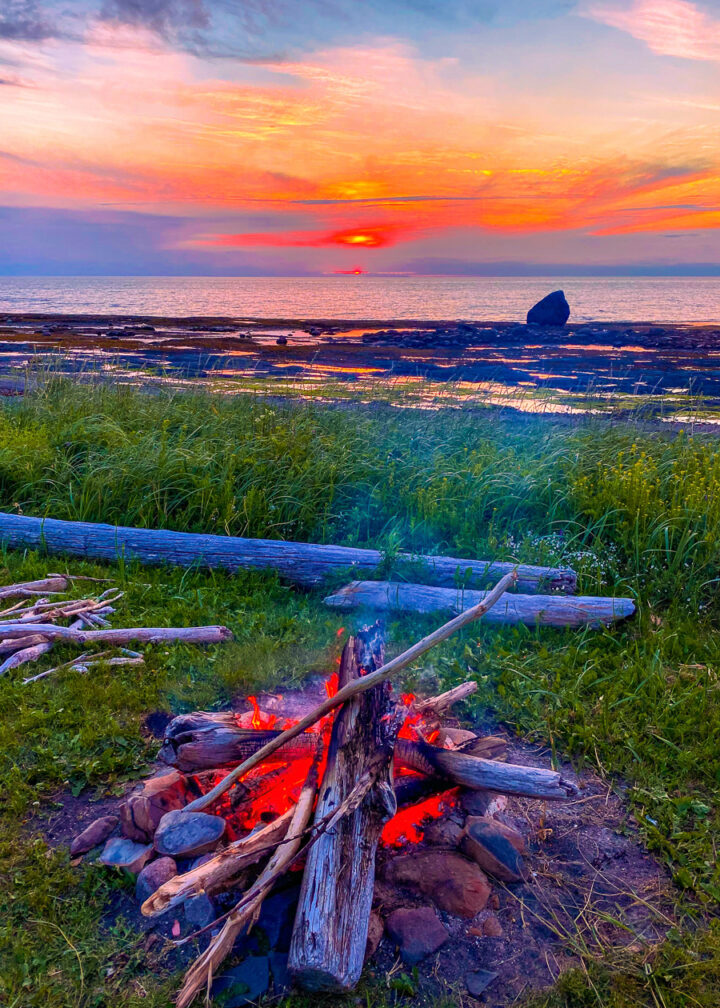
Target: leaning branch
x: 355, y: 687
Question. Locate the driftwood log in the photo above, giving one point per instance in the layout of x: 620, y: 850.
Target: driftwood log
x: 303, y: 563
x: 34, y: 648
x: 54, y: 584
x: 203, y: 741
x: 531, y: 610
x: 146, y: 635
x: 331, y: 925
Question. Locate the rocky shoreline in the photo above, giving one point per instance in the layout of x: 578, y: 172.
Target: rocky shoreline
x: 633, y: 358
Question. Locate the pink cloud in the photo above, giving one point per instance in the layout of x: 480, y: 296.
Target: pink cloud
x: 668, y: 27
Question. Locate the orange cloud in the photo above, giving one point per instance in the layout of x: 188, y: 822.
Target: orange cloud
x: 357, y: 149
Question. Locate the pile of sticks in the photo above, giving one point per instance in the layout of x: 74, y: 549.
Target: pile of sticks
x: 30, y: 627
x: 336, y: 824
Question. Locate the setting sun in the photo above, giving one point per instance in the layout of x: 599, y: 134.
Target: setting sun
x: 364, y: 239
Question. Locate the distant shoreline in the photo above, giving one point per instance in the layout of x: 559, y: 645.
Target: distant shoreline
x: 13, y: 318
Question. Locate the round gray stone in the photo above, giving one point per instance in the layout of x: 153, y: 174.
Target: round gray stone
x: 188, y: 834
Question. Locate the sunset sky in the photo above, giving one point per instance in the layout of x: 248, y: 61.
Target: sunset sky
x: 424, y: 136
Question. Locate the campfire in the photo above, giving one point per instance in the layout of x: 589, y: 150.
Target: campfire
x: 324, y: 792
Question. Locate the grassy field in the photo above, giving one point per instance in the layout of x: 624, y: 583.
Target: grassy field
x: 635, y: 512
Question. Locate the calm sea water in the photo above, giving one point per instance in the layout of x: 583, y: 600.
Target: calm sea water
x: 632, y: 299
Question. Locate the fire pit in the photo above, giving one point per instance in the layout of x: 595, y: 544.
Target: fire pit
x: 368, y: 813
x: 318, y: 794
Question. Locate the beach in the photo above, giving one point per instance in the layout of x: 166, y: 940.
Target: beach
x: 613, y: 364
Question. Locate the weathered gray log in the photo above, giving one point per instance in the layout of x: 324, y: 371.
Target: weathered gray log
x: 328, y: 943
x: 532, y: 610
x: 484, y: 774
x: 202, y: 741
x: 303, y: 563
x: 55, y: 584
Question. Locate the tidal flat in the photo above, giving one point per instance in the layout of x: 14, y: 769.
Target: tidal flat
x: 669, y: 372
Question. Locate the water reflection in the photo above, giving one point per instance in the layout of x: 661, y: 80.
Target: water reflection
x: 570, y: 373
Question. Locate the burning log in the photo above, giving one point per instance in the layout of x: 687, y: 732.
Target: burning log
x: 331, y: 926
x: 202, y: 741
x: 484, y: 774
x: 303, y: 563
x: 530, y: 610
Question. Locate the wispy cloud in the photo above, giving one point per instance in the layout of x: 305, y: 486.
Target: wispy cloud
x: 668, y: 27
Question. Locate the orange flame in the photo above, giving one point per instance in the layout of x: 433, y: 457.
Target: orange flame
x: 284, y: 780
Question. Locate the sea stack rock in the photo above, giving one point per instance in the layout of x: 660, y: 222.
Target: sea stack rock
x: 553, y: 310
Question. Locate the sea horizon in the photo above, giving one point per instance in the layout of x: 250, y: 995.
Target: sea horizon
x: 675, y: 298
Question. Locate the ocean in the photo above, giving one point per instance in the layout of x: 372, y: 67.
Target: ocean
x: 617, y: 299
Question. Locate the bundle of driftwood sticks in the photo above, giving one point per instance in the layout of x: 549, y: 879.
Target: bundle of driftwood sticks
x: 43, y: 615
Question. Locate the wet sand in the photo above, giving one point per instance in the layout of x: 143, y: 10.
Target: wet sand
x: 622, y: 359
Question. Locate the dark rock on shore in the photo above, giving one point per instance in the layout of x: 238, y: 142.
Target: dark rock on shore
x: 552, y: 310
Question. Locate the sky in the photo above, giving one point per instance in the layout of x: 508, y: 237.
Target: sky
x: 304, y: 137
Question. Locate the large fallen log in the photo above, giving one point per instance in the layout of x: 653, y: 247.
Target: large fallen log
x: 531, y: 610
x: 303, y: 563
x: 203, y: 741
x: 331, y: 925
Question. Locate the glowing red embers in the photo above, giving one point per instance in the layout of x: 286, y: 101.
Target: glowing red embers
x: 406, y: 826
x: 273, y: 787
